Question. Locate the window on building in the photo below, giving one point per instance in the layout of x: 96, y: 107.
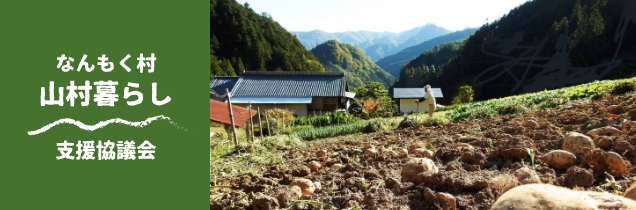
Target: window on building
x: 329, y: 103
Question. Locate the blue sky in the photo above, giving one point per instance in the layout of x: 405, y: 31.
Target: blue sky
x: 381, y: 15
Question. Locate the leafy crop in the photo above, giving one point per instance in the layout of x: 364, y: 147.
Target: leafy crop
x: 539, y: 100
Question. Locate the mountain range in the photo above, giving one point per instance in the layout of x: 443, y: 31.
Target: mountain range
x: 376, y: 45
x: 393, y: 63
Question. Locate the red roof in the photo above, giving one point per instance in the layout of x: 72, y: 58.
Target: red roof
x: 219, y: 112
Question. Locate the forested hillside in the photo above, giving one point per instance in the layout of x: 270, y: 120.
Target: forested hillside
x: 393, y: 63
x: 241, y: 39
x: 360, y: 70
x: 545, y: 44
x: 425, y: 67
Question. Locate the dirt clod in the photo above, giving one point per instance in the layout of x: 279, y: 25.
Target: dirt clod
x: 626, y: 125
x: 576, y: 176
x: 301, y: 171
x: 318, y: 185
x: 632, y: 114
x: 421, y: 152
x: 392, y: 183
x: 321, y: 153
x: 430, y: 196
x: 403, y: 153
x: 352, y: 204
x: 622, y: 146
x: 604, y: 142
x: 526, y: 175
x: 466, y: 139
x: 416, y: 166
x: 615, y: 109
x: 336, y: 166
x: 531, y: 124
x: 264, y: 202
x: 313, y: 165
x: 306, y: 186
x: 448, y: 199
x: 287, y: 195
x: 371, y: 153
x: 357, y: 182
x: 451, y: 166
x: 372, y: 174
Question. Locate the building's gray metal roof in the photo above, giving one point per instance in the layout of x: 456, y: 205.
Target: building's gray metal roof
x: 291, y: 73
x: 219, y: 83
x: 272, y: 100
x: 415, y: 92
x: 290, y: 84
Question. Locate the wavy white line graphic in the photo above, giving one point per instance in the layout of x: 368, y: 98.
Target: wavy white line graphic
x: 102, y: 124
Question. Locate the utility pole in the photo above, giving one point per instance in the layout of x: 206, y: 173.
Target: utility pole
x: 249, y: 112
x: 260, y: 124
x: 229, y: 104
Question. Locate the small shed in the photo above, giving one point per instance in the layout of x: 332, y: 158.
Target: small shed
x: 219, y: 112
x: 406, y: 98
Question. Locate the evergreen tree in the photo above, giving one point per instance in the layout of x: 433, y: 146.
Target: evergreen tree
x: 215, y: 69
x: 252, y: 41
x: 226, y: 68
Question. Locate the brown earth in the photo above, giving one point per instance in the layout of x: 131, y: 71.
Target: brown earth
x: 475, y: 163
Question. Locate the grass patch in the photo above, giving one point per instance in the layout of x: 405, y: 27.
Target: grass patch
x: 621, y: 88
x: 375, y: 126
x: 512, y: 109
x: 229, y: 160
x: 424, y: 119
x: 435, y: 120
x: 553, y: 102
x: 408, y: 122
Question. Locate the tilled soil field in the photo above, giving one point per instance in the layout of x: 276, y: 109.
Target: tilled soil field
x: 584, y: 146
